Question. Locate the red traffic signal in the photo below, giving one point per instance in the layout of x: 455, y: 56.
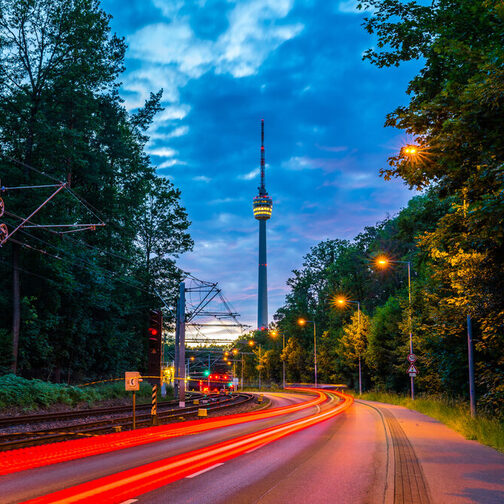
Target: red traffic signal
x: 154, y: 332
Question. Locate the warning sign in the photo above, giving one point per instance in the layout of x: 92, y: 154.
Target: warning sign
x: 132, y: 380
x: 412, y: 370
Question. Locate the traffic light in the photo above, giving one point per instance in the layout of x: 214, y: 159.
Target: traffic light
x: 206, y: 372
x: 154, y: 333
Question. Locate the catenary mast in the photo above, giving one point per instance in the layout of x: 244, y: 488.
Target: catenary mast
x: 263, y: 205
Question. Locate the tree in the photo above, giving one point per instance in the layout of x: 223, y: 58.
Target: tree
x: 456, y: 116
x: 353, y: 342
x: 61, y: 118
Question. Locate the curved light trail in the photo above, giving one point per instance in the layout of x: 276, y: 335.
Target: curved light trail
x: 133, y: 482
x: 38, y: 456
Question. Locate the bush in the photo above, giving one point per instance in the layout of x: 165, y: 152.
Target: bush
x: 453, y: 413
x: 16, y: 391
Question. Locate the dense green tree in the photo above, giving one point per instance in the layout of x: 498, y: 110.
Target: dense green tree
x: 80, y: 301
x: 455, y: 115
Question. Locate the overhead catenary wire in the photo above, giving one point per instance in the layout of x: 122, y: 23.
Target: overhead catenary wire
x: 155, y: 292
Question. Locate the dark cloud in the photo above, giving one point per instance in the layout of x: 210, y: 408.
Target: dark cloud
x: 298, y: 66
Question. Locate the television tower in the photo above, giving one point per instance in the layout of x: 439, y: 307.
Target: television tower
x: 263, y: 205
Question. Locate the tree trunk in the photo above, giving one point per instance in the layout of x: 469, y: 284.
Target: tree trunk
x: 16, y: 306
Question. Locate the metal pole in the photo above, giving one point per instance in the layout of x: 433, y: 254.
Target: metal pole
x: 176, y: 359
x: 182, y: 345
x: 358, y: 340
x: 154, y: 419
x: 410, y: 329
x: 315, y: 351
x: 134, y: 405
x: 259, y: 367
x: 472, y: 395
x: 283, y: 361
x: 242, y: 374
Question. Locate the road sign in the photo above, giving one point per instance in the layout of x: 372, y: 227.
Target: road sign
x: 412, y: 370
x: 132, y: 380
x: 411, y: 357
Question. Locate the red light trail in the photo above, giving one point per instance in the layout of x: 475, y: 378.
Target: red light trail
x: 133, y: 482
x: 38, y: 456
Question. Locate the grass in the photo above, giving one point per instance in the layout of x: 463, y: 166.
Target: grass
x: 454, y: 414
x: 31, y: 395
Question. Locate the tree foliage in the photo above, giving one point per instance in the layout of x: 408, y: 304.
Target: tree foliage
x: 84, y: 298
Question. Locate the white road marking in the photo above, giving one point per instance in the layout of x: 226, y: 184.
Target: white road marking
x: 204, y: 470
x: 130, y: 501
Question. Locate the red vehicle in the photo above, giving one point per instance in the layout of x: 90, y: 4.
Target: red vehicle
x: 214, y: 383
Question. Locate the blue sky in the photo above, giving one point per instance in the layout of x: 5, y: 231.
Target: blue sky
x: 226, y: 64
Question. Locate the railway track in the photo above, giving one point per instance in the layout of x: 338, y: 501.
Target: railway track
x: 10, y: 441
x: 67, y: 415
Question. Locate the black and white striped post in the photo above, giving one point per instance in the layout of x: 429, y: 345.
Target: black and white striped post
x: 154, y: 418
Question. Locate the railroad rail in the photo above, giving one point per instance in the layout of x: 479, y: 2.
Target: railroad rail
x: 9, y: 421
x: 10, y: 441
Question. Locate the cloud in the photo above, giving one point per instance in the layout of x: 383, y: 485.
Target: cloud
x: 171, y: 53
x: 162, y: 152
x: 173, y: 112
x: 252, y: 34
x: 169, y: 8
x: 178, y: 132
x: 167, y: 164
x: 202, y: 178
x: 250, y: 175
x: 298, y: 163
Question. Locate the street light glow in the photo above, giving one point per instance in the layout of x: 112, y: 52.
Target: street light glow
x: 382, y: 261
x: 274, y: 333
x: 251, y: 342
x: 301, y: 321
x: 410, y: 150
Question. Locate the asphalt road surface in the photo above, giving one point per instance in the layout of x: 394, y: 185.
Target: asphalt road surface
x: 371, y: 453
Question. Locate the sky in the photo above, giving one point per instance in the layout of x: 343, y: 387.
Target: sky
x: 226, y: 64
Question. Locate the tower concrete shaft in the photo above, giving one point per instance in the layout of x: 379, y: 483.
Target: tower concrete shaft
x: 263, y: 205
x: 262, y: 294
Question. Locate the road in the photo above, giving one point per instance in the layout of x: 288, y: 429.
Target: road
x: 371, y: 453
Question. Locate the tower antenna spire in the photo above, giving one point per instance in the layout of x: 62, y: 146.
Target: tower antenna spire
x: 262, y: 189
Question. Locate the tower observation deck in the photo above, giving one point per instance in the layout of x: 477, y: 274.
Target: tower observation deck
x: 263, y: 206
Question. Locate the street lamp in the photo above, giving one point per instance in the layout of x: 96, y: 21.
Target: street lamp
x: 235, y: 351
x: 383, y: 262
x: 274, y: 334
x: 302, y: 322
x: 341, y: 301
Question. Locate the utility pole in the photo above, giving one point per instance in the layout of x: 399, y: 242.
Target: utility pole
x: 176, y: 356
x: 472, y: 394
x: 181, y: 359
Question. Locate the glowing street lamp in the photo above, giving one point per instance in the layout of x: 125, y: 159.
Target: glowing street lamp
x: 341, y: 302
x: 383, y: 262
x: 302, y: 322
x: 410, y: 150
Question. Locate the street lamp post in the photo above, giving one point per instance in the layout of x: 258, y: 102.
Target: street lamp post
x: 302, y: 322
x: 382, y: 261
x: 342, y: 301
x: 274, y: 333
